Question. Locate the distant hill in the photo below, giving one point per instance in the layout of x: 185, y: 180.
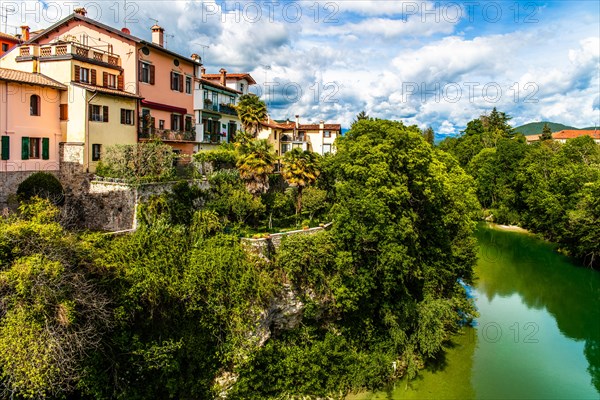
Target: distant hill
x: 535, y: 128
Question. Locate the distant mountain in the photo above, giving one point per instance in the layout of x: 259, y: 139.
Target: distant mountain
x: 535, y: 128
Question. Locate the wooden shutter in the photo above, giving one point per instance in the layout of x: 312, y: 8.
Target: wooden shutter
x: 77, y: 77
x: 152, y: 72
x: 5, y: 147
x: 90, y: 110
x: 180, y: 82
x: 181, y: 127
x: 24, y: 148
x: 139, y: 71
x: 93, y: 80
x: 105, y: 79
x: 45, y: 148
x: 120, y: 82
x: 104, y: 113
x: 64, y: 112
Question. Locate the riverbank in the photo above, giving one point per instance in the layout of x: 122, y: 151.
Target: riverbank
x: 511, y: 228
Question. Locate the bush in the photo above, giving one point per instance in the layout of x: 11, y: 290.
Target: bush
x: 41, y: 184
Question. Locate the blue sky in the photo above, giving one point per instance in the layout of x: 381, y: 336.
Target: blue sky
x: 436, y: 64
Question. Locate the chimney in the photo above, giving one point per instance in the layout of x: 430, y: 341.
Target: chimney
x: 25, y: 33
x: 223, y: 76
x: 158, y: 34
x: 202, y: 71
x: 126, y: 30
x: 297, y: 121
x: 81, y: 11
x: 196, y: 58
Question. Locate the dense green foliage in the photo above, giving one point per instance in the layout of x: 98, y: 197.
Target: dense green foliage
x: 173, y: 309
x: 547, y: 187
x: 251, y: 111
x: 140, y: 162
x: 41, y: 184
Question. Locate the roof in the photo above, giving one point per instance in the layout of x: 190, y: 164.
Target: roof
x: 109, y: 29
x: 279, y: 125
x: 237, y: 77
x: 568, y: 134
x: 113, y: 92
x: 29, y: 78
x: 316, y: 127
x: 7, y: 36
x: 217, y: 85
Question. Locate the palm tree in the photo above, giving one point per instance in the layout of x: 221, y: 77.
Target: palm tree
x: 300, y: 169
x: 251, y: 111
x: 255, y: 163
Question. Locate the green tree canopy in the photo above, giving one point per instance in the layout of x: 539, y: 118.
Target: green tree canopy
x: 300, y: 169
x: 251, y: 111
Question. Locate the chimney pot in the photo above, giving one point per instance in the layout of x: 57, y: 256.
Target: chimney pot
x: 223, y: 76
x: 126, y: 30
x: 203, y: 70
x: 25, y: 32
x: 81, y: 11
x: 158, y: 34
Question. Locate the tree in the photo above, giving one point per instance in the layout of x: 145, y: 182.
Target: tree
x: 255, y: 163
x: 251, y: 111
x: 546, y: 133
x: 361, y: 116
x: 429, y: 135
x: 43, y: 185
x: 300, y: 169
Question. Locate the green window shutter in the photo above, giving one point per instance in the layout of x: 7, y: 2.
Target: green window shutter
x: 24, y: 148
x: 5, y: 147
x: 45, y: 148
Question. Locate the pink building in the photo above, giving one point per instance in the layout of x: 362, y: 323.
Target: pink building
x: 30, y: 126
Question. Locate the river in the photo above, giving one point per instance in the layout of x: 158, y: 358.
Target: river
x: 537, y: 336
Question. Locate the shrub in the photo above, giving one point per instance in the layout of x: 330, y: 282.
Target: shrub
x: 41, y: 184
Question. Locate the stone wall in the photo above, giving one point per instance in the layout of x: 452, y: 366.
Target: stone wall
x: 267, y: 246
x: 10, y: 181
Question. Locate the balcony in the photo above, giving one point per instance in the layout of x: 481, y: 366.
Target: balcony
x: 228, y: 109
x: 62, y: 49
x: 293, y: 138
x: 167, y: 135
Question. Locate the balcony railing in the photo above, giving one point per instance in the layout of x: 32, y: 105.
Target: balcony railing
x: 293, y: 138
x: 220, y: 108
x: 66, y: 48
x: 167, y: 135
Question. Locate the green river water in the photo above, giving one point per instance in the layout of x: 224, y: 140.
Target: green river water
x: 538, y: 334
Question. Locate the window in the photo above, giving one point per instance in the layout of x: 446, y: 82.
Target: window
x: 326, y: 149
x: 188, y: 124
x: 285, y: 147
x: 176, y: 122
x: 5, y: 147
x: 146, y: 73
x: 188, y: 84
x: 242, y: 87
x: 34, y: 105
x: 176, y: 81
x: 4, y: 47
x: 161, y: 124
x: 231, y: 100
x: 109, y: 80
x: 30, y: 148
x: 64, y: 112
x: 327, y: 134
x: 126, y: 116
x: 98, y: 113
x: 96, y: 150
x: 84, y: 75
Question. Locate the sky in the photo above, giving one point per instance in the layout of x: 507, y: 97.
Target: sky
x: 438, y: 64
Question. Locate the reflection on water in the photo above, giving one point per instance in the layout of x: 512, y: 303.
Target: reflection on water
x: 538, y: 335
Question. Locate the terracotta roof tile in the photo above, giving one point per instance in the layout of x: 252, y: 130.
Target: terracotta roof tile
x: 567, y: 134
x: 29, y: 78
x: 114, y: 92
x: 6, y: 36
x: 316, y: 127
x: 570, y: 134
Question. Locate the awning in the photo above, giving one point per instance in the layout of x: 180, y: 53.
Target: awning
x: 210, y: 115
x: 163, y: 107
